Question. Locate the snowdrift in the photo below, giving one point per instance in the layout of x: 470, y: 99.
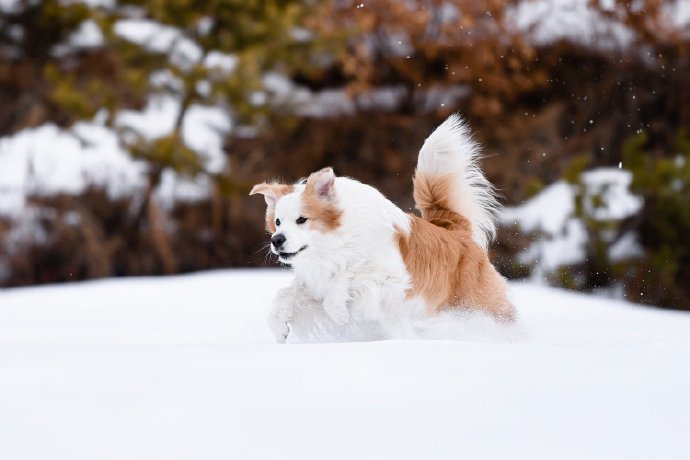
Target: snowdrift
x: 183, y: 367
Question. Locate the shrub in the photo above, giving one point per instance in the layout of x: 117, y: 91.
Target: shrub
x: 663, y: 224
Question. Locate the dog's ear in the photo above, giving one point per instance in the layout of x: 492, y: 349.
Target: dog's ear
x: 321, y: 183
x: 271, y: 192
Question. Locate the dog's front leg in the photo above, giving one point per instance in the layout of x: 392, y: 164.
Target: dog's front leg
x: 282, y: 312
x: 336, y: 300
x: 289, y: 303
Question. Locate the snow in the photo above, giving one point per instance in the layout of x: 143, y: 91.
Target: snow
x: 183, y: 367
x: 547, y: 211
x: 203, y: 129
x: 175, y: 188
x: 88, y: 35
x: 144, y: 32
x: 224, y: 62
x: 162, y: 39
x: 626, y: 247
x: 9, y: 6
x: 613, y: 185
x: 577, y: 20
x: 156, y: 120
x: 48, y: 160
x: 680, y: 12
x: 561, y: 235
x: 552, y: 20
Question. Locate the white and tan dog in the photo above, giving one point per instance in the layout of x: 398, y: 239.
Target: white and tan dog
x: 362, y: 260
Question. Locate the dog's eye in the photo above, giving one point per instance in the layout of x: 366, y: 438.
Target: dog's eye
x: 277, y: 222
x: 301, y: 220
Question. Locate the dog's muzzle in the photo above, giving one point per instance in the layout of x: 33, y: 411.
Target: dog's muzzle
x: 290, y: 255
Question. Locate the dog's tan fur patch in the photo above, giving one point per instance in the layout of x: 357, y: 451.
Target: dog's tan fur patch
x: 447, y: 267
x: 432, y: 192
x: 319, y: 203
x: 272, y: 192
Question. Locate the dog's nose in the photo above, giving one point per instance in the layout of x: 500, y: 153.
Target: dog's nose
x: 278, y: 240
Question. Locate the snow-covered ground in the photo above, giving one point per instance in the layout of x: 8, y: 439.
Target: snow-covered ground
x: 183, y: 367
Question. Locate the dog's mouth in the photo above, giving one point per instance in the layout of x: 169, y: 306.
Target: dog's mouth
x: 290, y: 255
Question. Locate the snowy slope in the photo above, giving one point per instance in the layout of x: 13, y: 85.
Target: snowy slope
x: 183, y: 368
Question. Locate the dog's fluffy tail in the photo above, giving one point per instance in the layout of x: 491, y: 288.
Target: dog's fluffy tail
x: 448, y: 178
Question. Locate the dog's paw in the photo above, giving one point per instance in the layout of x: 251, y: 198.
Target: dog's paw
x: 281, y: 314
x: 337, y: 311
x: 279, y: 328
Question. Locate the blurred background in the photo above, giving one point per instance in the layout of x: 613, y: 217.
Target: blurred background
x: 131, y: 131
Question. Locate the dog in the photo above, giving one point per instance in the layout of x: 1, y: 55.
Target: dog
x: 357, y: 257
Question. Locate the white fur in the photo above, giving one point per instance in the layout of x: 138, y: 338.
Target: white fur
x: 354, y: 276
x: 354, y: 273
x: 451, y: 149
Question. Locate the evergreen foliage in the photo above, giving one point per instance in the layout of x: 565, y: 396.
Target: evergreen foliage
x: 663, y: 225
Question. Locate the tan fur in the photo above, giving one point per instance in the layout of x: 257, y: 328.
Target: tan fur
x: 433, y: 192
x: 322, y: 211
x: 272, y: 191
x: 447, y: 267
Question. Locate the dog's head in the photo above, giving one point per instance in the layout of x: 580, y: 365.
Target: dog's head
x: 301, y: 218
